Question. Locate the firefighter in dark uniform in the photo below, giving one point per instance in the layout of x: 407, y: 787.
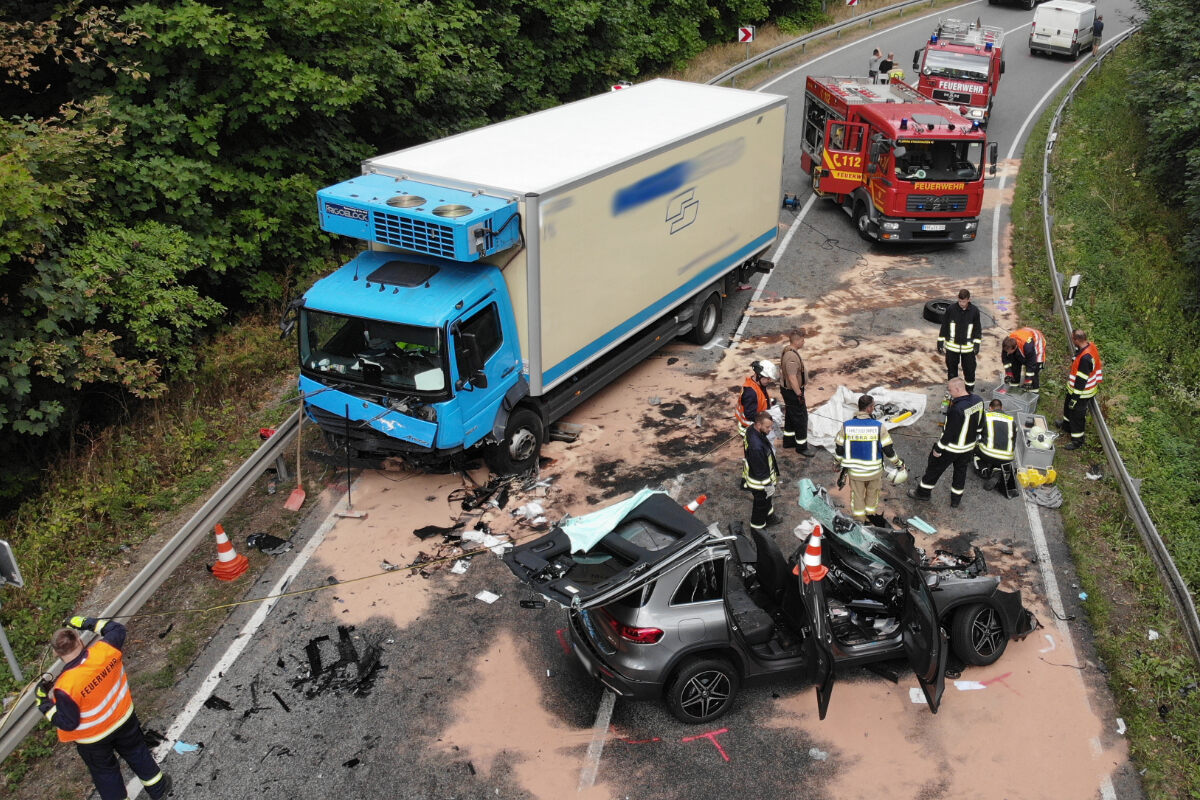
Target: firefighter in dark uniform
x: 1024, y: 353
x: 964, y: 419
x: 792, y: 383
x: 760, y: 473
x: 995, y: 447
x: 1083, y: 381
x: 960, y: 338
x: 754, y: 400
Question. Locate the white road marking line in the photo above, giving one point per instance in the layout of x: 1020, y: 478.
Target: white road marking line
x: 591, y: 763
x: 859, y: 43
x: 239, y: 643
x: 762, y: 282
x: 1014, y: 30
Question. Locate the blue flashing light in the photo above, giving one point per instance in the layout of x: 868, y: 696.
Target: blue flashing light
x: 975, y: 124
x: 904, y: 123
x: 988, y: 47
x: 933, y: 37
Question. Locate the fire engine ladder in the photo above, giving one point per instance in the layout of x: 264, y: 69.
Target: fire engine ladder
x: 956, y: 31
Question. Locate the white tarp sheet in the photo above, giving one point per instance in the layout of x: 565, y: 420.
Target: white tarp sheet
x: 826, y: 420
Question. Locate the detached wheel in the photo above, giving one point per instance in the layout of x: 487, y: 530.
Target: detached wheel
x: 708, y: 317
x: 935, y: 310
x: 523, y: 437
x: 977, y: 635
x: 702, y: 690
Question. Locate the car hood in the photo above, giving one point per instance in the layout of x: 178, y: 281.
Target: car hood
x: 655, y: 534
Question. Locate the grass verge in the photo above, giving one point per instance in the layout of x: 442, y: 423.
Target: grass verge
x: 1111, y: 227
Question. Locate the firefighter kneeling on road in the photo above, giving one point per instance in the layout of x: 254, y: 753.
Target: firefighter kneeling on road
x: 995, y: 448
x: 91, y: 706
x: 1024, y: 353
x: 859, y: 448
x: 760, y: 473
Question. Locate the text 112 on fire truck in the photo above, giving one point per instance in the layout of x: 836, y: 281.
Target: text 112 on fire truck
x: 960, y: 67
x: 902, y: 166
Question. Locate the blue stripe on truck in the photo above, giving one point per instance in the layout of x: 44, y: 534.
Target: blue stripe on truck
x: 584, y: 354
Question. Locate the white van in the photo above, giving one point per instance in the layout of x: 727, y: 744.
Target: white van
x: 1063, y: 27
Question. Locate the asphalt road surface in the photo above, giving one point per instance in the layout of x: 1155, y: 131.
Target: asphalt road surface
x: 405, y: 686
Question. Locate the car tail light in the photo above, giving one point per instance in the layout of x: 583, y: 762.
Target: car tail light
x: 632, y: 634
x: 639, y: 635
x: 1075, y: 35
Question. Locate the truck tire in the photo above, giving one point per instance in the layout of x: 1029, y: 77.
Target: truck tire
x: 862, y: 221
x: 935, y: 310
x: 1075, y: 52
x: 523, y: 438
x: 707, y: 318
x: 1029, y: 4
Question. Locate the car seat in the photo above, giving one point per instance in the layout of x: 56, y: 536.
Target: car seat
x: 772, y: 569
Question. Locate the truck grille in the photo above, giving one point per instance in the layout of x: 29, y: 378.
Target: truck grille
x: 944, y: 96
x: 946, y: 202
x: 414, y: 234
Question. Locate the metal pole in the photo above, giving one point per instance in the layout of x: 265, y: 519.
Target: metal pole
x: 12, y: 659
x: 349, y: 501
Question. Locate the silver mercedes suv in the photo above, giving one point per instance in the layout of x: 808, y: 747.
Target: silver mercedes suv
x: 663, y: 606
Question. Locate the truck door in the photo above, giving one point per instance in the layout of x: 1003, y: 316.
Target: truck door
x: 482, y: 361
x: 844, y: 159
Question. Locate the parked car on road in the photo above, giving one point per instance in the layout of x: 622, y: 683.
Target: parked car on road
x: 664, y: 606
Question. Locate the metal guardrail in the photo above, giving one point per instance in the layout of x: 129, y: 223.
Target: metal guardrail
x: 778, y: 50
x: 25, y: 717
x: 1176, y: 587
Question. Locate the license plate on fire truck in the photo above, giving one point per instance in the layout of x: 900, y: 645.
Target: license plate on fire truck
x: 933, y: 227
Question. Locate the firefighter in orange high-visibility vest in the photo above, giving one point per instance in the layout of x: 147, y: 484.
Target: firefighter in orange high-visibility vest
x: 754, y: 399
x: 1083, y: 381
x: 90, y: 704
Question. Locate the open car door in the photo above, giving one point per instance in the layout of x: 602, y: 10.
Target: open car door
x: 819, y: 646
x: 925, y: 643
x: 619, y: 554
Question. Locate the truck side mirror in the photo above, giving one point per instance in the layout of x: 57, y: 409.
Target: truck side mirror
x: 287, y: 323
x: 479, y: 379
x: 1001, y: 66
x: 916, y: 61
x: 993, y: 156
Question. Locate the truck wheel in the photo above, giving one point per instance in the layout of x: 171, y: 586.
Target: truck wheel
x: 1029, y: 4
x: 523, y: 437
x: 977, y: 635
x: 702, y: 690
x: 708, y: 316
x: 1075, y: 52
x: 862, y: 221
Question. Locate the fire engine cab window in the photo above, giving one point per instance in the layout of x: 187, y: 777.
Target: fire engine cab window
x: 702, y: 584
x: 814, y: 126
x: 845, y: 137
x: 933, y: 160
x: 941, y: 64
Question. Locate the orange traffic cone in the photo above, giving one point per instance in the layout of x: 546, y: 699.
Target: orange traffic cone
x: 229, y: 563
x: 699, y: 501
x: 814, y: 570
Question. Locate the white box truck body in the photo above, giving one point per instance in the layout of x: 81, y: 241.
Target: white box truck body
x: 594, y: 232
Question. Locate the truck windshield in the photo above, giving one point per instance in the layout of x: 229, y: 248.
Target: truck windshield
x: 372, y: 352
x: 962, y: 66
x: 939, y: 160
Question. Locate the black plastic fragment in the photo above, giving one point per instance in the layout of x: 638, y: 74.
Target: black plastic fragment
x: 217, y: 704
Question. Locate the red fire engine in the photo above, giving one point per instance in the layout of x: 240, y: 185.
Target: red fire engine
x: 902, y: 166
x: 960, y: 67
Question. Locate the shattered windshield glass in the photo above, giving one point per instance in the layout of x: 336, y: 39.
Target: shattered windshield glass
x: 816, y: 501
x: 963, y: 66
x: 385, y: 354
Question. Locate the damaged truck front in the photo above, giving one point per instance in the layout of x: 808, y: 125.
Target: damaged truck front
x: 516, y: 269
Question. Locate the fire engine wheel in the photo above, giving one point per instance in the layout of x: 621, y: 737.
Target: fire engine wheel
x: 523, y: 437
x: 862, y: 221
x: 935, y: 310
